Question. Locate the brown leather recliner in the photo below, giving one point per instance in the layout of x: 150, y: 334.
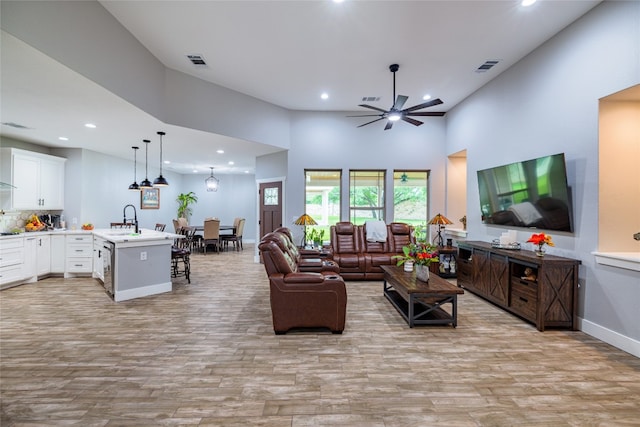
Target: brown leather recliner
x: 302, y: 299
x: 306, y: 260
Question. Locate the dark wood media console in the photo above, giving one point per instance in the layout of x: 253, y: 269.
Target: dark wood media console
x: 547, y: 297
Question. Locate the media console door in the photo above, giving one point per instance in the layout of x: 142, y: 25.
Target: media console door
x: 541, y: 290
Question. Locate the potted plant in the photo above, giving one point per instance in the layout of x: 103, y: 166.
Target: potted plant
x: 184, y: 201
x: 316, y: 236
x: 421, y: 255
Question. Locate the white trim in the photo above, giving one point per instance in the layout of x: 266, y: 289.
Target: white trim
x: 142, y: 291
x: 613, y: 338
x: 627, y: 260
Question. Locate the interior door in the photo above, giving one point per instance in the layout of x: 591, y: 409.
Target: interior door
x: 270, y: 206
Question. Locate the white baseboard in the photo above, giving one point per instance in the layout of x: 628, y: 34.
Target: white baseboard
x: 616, y: 339
x: 143, y: 291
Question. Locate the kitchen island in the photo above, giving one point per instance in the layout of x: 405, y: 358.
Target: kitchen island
x: 133, y: 265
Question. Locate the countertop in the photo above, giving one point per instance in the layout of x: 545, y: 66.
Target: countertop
x: 117, y: 236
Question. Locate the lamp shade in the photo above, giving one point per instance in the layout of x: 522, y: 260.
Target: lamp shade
x: 160, y: 181
x: 305, y: 220
x: 146, y: 183
x: 134, y: 186
x: 439, y: 219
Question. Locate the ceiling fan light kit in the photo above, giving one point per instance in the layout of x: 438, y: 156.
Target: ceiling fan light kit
x: 396, y: 112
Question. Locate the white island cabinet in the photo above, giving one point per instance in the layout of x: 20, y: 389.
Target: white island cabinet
x: 135, y: 264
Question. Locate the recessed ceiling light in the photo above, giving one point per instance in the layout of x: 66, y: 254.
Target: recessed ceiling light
x: 426, y: 97
x: 526, y: 3
x: 246, y: 171
x: 166, y: 162
x: 231, y: 163
x: 324, y: 95
x: 195, y: 171
x: 63, y: 138
x: 338, y: 1
x: 90, y: 125
x: 220, y: 151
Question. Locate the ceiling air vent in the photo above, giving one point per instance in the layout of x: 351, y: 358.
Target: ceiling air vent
x: 197, y: 60
x: 370, y: 98
x: 15, y: 125
x: 487, y: 66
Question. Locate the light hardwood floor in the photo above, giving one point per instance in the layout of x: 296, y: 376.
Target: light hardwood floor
x: 206, y: 355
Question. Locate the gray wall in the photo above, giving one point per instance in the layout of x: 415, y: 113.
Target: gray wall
x: 548, y: 103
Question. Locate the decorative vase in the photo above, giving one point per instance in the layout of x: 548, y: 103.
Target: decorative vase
x: 540, y: 251
x: 422, y: 272
x: 408, y: 266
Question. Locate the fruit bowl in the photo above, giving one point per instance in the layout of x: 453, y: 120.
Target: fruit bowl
x: 87, y: 226
x: 34, y: 228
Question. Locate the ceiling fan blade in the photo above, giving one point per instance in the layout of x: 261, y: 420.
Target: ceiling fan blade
x: 427, y: 104
x: 400, y: 100
x: 412, y: 121
x: 367, y: 115
x: 427, y: 113
x: 373, y: 121
x: 389, y: 125
x: 372, y: 107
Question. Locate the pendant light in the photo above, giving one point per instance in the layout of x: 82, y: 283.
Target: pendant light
x: 134, y: 186
x: 212, y: 182
x: 146, y: 183
x: 160, y: 181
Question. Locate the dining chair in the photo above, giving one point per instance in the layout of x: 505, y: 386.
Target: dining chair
x: 160, y: 227
x: 211, y: 234
x: 235, y: 237
x: 181, y: 253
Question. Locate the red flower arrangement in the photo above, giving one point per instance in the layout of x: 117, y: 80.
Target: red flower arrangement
x: 540, y: 240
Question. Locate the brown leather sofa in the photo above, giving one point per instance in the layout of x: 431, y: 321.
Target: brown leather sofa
x: 302, y: 299
x: 360, y: 259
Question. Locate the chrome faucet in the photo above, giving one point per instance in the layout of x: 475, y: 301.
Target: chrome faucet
x: 135, y: 216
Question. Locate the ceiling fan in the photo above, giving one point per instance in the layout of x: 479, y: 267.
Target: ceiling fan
x: 396, y: 112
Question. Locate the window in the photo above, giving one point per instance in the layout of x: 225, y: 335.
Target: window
x: 366, y: 196
x: 410, y: 197
x: 322, y: 198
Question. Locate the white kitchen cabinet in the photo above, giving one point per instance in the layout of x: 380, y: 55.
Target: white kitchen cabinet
x: 29, y: 265
x: 43, y: 255
x: 38, y: 180
x: 79, y: 254
x: 58, y: 257
x: 11, y: 261
x: 98, y: 258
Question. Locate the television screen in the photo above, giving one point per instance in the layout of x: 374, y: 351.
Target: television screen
x: 532, y: 194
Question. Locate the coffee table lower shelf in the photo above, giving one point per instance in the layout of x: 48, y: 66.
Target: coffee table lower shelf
x: 423, y: 309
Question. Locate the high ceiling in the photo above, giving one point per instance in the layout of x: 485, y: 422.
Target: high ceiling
x: 283, y: 52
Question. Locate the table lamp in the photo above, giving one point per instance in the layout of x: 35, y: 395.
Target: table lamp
x: 439, y: 220
x: 305, y: 220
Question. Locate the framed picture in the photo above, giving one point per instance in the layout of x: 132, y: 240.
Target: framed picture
x: 150, y: 198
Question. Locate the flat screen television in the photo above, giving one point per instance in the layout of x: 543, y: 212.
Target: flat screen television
x: 532, y: 194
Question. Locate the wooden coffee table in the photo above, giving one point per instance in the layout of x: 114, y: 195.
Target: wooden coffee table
x: 421, y: 303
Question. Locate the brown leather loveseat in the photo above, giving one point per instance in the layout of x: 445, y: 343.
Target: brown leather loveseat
x: 302, y: 299
x: 360, y: 259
